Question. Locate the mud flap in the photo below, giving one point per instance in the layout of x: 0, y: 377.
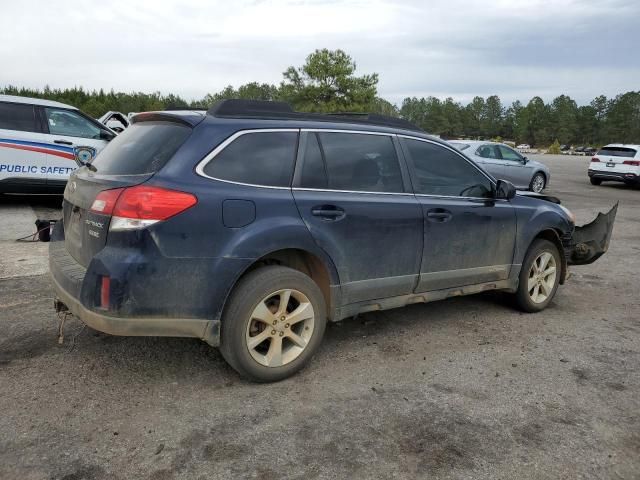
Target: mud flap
x: 591, y: 241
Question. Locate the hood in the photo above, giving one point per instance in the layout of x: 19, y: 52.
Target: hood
x: 539, y: 196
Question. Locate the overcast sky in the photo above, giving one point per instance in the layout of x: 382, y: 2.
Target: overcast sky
x: 516, y: 49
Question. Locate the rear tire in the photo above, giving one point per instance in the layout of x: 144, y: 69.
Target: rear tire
x: 538, y: 182
x: 539, y: 276
x: 595, y: 181
x: 263, y: 340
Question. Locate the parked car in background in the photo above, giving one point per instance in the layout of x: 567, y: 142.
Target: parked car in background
x: 587, y: 151
x: 39, y: 140
x: 251, y: 225
x: 504, y: 162
x: 565, y: 148
x: 116, y: 121
x: 616, y: 162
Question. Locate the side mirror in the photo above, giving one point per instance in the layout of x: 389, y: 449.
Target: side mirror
x: 505, y: 190
x: 105, y: 135
x: 524, y: 160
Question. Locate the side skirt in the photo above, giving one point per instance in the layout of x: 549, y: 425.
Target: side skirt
x: 510, y: 284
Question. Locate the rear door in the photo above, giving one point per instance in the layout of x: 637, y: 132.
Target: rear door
x: 130, y: 159
x: 352, y: 193
x: 469, y: 238
x: 66, y: 129
x: 23, y: 147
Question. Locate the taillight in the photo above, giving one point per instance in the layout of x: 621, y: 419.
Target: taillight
x: 106, y: 201
x: 140, y: 206
x: 595, y: 159
x: 634, y: 163
x: 105, y: 292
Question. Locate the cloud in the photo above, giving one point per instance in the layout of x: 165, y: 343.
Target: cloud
x: 516, y: 49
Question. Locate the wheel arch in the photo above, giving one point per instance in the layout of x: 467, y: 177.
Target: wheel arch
x: 320, y: 270
x: 554, y: 237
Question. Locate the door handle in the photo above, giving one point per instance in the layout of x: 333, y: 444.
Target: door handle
x: 439, y: 215
x: 63, y: 142
x: 328, y: 212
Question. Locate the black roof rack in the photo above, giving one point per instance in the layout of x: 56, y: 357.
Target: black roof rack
x: 271, y: 110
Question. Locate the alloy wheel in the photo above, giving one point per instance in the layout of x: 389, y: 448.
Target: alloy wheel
x: 537, y: 185
x: 280, y: 328
x: 542, y: 277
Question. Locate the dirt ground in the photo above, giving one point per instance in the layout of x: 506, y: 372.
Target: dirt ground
x: 464, y: 388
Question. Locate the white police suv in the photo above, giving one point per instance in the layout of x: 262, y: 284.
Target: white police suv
x: 39, y: 140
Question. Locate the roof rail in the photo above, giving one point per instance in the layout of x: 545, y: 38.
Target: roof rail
x: 271, y: 110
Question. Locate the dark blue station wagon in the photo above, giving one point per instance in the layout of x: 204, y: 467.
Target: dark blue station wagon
x: 250, y: 226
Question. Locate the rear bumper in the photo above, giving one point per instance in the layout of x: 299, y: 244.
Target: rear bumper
x: 151, y: 295
x: 626, y: 177
x: 589, y: 242
x: 207, y: 330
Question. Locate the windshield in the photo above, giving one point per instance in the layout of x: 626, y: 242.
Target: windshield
x: 144, y: 147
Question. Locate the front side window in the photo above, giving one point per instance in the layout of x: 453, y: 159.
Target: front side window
x: 353, y: 162
x: 257, y: 158
x: 440, y: 171
x: 508, y: 154
x: 18, y: 116
x: 70, y: 123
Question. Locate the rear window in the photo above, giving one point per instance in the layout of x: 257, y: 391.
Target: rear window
x: 460, y: 146
x: 144, y: 147
x: 618, y: 152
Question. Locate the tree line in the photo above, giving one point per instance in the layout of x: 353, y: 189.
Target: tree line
x: 327, y: 82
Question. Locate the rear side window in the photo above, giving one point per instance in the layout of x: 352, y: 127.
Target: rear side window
x: 18, y: 116
x: 439, y: 171
x: 460, y: 146
x: 353, y: 162
x: 618, y: 152
x: 144, y: 147
x: 257, y: 158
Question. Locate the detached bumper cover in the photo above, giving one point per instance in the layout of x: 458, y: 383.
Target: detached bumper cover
x: 589, y: 242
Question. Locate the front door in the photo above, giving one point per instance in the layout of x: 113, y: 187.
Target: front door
x: 352, y: 195
x: 469, y: 237
x: 68, y: 129
x: 516, y: 169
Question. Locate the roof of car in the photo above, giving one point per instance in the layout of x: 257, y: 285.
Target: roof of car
x: 475, y: 142
x: 34, y: 101
x: 626, y: 145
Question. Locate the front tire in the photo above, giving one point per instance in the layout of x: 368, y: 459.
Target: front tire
x: 273, y: 324
x: 539, y: 276
x: 538, y: 182
x: 595, y: 181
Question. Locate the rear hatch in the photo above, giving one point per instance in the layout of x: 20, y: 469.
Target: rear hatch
x: 615, y: 158
x: 130, y: 159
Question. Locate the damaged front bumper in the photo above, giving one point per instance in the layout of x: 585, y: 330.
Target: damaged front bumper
x: 589, y: 242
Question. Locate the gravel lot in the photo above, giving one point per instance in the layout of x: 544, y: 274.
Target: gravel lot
x: 464, y: 388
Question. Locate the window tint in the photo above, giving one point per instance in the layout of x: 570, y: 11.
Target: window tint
x: 144, y: 147
x: 439, y: 171
x: 261, y: 158
x: 18, y: 116
x: 314, y: 174
x: 487, y: 151
x: 70, y: 123
x: 360, y: 162
x: 618, y: 152
x: 508, y: 154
